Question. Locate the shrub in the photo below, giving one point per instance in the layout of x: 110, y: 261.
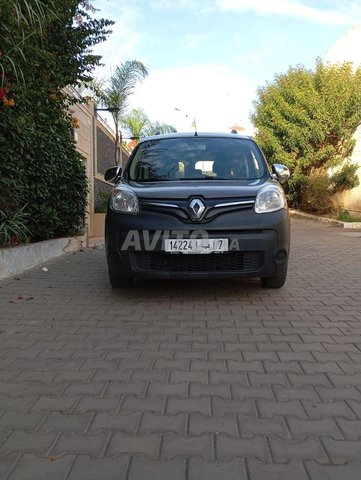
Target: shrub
x: 41, y: 168
x: 13, y: 229
x: 316, y: 196
x: 345, y: 178
x: 44, y: 47
x: 104, y: 199
x: 345, y: 216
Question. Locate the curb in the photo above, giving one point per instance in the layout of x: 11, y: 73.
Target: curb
x: 15, y: 260
x: 332, y: 221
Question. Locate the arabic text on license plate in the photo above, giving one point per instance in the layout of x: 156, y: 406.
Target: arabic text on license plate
x: 196, y: 245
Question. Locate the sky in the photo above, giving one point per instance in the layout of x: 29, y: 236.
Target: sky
x: 206, y: 59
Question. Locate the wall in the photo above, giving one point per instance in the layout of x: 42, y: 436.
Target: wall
x: 105, y: 159
x: 347, y: 49
x: 85, y: 144
x: 351, y: 199
x: 95, y: 140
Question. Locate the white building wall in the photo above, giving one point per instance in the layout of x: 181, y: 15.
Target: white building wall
x: 348, y: 49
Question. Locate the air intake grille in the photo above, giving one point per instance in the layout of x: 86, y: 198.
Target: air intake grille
x: 223, y: 262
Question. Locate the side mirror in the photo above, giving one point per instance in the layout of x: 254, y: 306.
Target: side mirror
x: 280, y: 172
x: 112, y: 174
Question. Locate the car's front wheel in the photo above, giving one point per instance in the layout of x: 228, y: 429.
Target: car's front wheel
x: 277, y: 281
x: 116, y: 281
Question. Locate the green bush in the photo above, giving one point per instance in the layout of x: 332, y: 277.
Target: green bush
x: 345, y: 216
x: 315, y: 195
x: 41, y: 168
x: 345, y: 178
x: 13, y: 228
x: 306, y: 119
x: 44, y: 47
x: 104, y: 198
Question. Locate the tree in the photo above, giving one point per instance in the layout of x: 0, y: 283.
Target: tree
x: 306, y: 120
x: 114, y: 96
x: 138, y: 125
x: 158, y: 127
x: 44, y: 47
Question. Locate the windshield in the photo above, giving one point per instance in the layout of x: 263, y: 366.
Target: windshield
x: 197, y: 158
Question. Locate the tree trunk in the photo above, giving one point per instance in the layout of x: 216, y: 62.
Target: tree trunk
x: 120, y: 138
x: 116, y: 160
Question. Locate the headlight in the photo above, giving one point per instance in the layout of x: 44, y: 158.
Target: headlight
x: 125, y: 201
x: 270, y: 199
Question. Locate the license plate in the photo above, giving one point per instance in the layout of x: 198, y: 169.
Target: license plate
x: 196, y: 245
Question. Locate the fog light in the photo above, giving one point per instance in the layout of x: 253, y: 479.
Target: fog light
x: 281, y: 256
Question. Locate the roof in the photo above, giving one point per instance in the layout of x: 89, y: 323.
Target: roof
x: 195, y: 134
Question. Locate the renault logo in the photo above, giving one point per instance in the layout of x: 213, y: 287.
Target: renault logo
x: 196, y: 208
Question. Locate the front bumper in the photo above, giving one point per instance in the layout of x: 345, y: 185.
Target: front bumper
x: 258, y: 246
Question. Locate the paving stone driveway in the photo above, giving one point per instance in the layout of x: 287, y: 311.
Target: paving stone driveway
x: 178, y: 381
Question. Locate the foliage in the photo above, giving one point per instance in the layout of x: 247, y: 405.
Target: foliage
x: 157, y: 127
x: 138, y: 125
x: 345, y: 178
x: 54, y: 36
x: 345, y: 216
x: 315, y: 197
x: 44, y: 48
x: 13, y: 229
x: 306, y: 120
x: 114, y: 93
x: 104, y: 200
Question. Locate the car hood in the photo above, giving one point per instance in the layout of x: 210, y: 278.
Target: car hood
x: 204, y: 188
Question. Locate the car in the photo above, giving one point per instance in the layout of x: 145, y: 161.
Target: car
x: 197, y: 206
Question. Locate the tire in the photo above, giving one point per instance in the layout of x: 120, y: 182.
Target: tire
x: 116, y: 281
x: 277, y: 281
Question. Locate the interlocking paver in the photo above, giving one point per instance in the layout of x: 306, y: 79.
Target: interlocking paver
x: 342, y: 451
x: 305, y: 393
x: 20, y: 421
x: 141, y: 444
x: 294, y: 470
x: 184, y: 380
x: 219, y: 390
x: 85, y: 468
x: 270, y: 408
x: 332, y: 472
x: 152, y: 422
x: 328, y: 409
x: 156, y: 388
x: 202, y: 470
x: 142, y: 469
x: 306, y: 428
x: 124, y: 421
x: 61, y: 422
x: 200, y: 405
x: 250, y: 426
x: 177, y: 445
x: 284, y: 451
x: 228, y: 447
x: 21, y: 441
x: 42, y: 468
x: 199, y: 424
x: 81, y: 443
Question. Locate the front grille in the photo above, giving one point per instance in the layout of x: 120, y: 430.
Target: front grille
x: 214, y: 207
x: 246, y: 262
